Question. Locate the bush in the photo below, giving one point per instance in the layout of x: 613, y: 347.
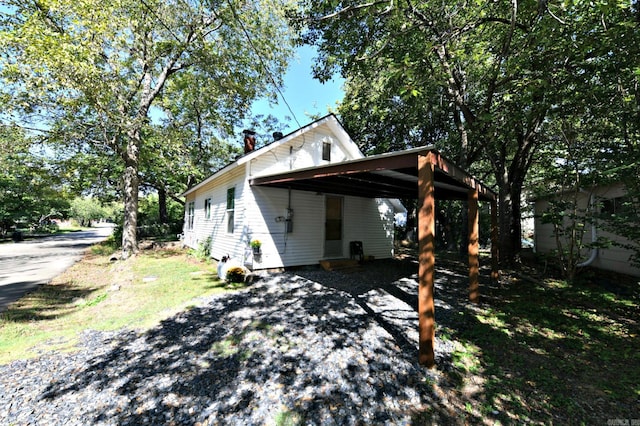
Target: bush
x: 203, y: 252
x: 235, y: 275
x: 160, y: 230
x: 46, y: 228
x: 115, y: 238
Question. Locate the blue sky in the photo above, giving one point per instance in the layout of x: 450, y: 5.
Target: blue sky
x: 303, y: 93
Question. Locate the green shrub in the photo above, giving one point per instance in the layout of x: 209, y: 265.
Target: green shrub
x: 115, y: 239
x: 203, y: 252
x: 105, y: 248
x: 46, y: 228
x: 235, y: 275
x: 160, y: 230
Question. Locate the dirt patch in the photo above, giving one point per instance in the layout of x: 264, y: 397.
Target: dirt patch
x: 160, y: 245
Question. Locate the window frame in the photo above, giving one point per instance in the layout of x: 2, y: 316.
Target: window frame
x: 614, y: 206
x: 326, y: 151
x: 207, y: 208
x: 191, y: 213
x: 230, y: 211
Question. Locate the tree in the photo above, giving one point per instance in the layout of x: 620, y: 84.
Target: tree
x: 492, y: 72
x: 85, y: 209
x: 91, y: 71
x: 589, y: 146
x: 29, y: 194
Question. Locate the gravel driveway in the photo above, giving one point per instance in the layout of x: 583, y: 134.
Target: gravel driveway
x: 303, y: 347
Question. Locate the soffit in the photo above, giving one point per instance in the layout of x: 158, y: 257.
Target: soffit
x: 391, y: 175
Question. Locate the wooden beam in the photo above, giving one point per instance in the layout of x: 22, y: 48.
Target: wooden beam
x: 357, y: 166
x: 474, y: 263
x: 426, y: 257
x: 494, y: 241
x: 459, y: 175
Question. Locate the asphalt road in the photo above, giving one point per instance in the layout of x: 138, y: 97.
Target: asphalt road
x: 25, y: 265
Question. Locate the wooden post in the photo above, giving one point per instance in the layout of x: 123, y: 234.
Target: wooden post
x: 474, y: 264
x: 494, y: 240
x: 426, y: 232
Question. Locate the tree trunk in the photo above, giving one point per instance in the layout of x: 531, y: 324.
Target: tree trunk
x: 463, y: 242
x: 463, y: 161
x: 163, y: 217
x: 510, y: 228
x: 131, y: 186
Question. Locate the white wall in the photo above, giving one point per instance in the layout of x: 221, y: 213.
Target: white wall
x: 301, y: 152
x: 259, y: 211
x: 611, y: 259
x: 216, y: 226
x: 371, y: 221
x: 366, y: 220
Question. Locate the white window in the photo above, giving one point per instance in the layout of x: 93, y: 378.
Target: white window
x: 326, y: 151
x: 191, y: 209
x: 207, y: 208
x: 231, y: 202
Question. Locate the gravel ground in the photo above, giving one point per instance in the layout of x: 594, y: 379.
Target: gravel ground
x: 300, y: 347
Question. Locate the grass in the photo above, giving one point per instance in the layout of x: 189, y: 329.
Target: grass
x: 103, y: 295
x: 538, y: 350
x: 546, y: 351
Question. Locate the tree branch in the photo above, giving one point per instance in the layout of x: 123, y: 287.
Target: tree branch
x: 157, y: 187
x: 45, y: 11
x: 352, y: 8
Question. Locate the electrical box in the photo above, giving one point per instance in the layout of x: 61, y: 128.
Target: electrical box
x: 289, y: 221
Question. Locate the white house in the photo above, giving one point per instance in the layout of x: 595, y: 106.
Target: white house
x: 606, y: 199
x: 294, y: 227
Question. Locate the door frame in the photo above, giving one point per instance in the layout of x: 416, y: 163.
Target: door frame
x: 333, y: 248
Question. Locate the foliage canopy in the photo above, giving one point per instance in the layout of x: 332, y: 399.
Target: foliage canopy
x: 483, y: 80
x: 89, y: 73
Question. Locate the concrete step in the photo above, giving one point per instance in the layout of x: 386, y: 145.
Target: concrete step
x: 342, y: 265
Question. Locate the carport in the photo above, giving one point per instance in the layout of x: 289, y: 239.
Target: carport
x: 421, y: 173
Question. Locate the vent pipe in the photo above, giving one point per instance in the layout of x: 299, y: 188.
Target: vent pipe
x: 277, y: 136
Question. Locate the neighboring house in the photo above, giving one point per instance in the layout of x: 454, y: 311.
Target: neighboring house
x: 294, y: 227
x: 605, y: 198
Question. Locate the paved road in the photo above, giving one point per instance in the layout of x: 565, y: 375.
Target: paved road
x: 25, y: 265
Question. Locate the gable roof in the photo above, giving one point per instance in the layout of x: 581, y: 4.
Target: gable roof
x: 330, y: 121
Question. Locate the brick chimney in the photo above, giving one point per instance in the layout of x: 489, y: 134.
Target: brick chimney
x: 249, y: 140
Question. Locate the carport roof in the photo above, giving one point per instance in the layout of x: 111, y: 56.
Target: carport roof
x: 390, y: 175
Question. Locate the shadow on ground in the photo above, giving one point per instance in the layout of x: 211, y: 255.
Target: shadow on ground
x: 324, y: 348
x: 49, y: 302
x: 329, y: 351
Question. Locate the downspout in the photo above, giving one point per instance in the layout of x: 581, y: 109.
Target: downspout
x: 594, y: 234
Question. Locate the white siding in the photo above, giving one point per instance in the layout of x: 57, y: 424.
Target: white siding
x: 266, y: 222
x: 611, y: 259
x: 365, y: 220
x: 370, y: 221
x: 304, y: 151
x: 262, y: 209
x: 216, y: 226
x: 260, y: 212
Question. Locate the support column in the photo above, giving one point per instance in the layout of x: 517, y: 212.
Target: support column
x: 494, y: 240
x: 426, y: 256
x: 474, y: 263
